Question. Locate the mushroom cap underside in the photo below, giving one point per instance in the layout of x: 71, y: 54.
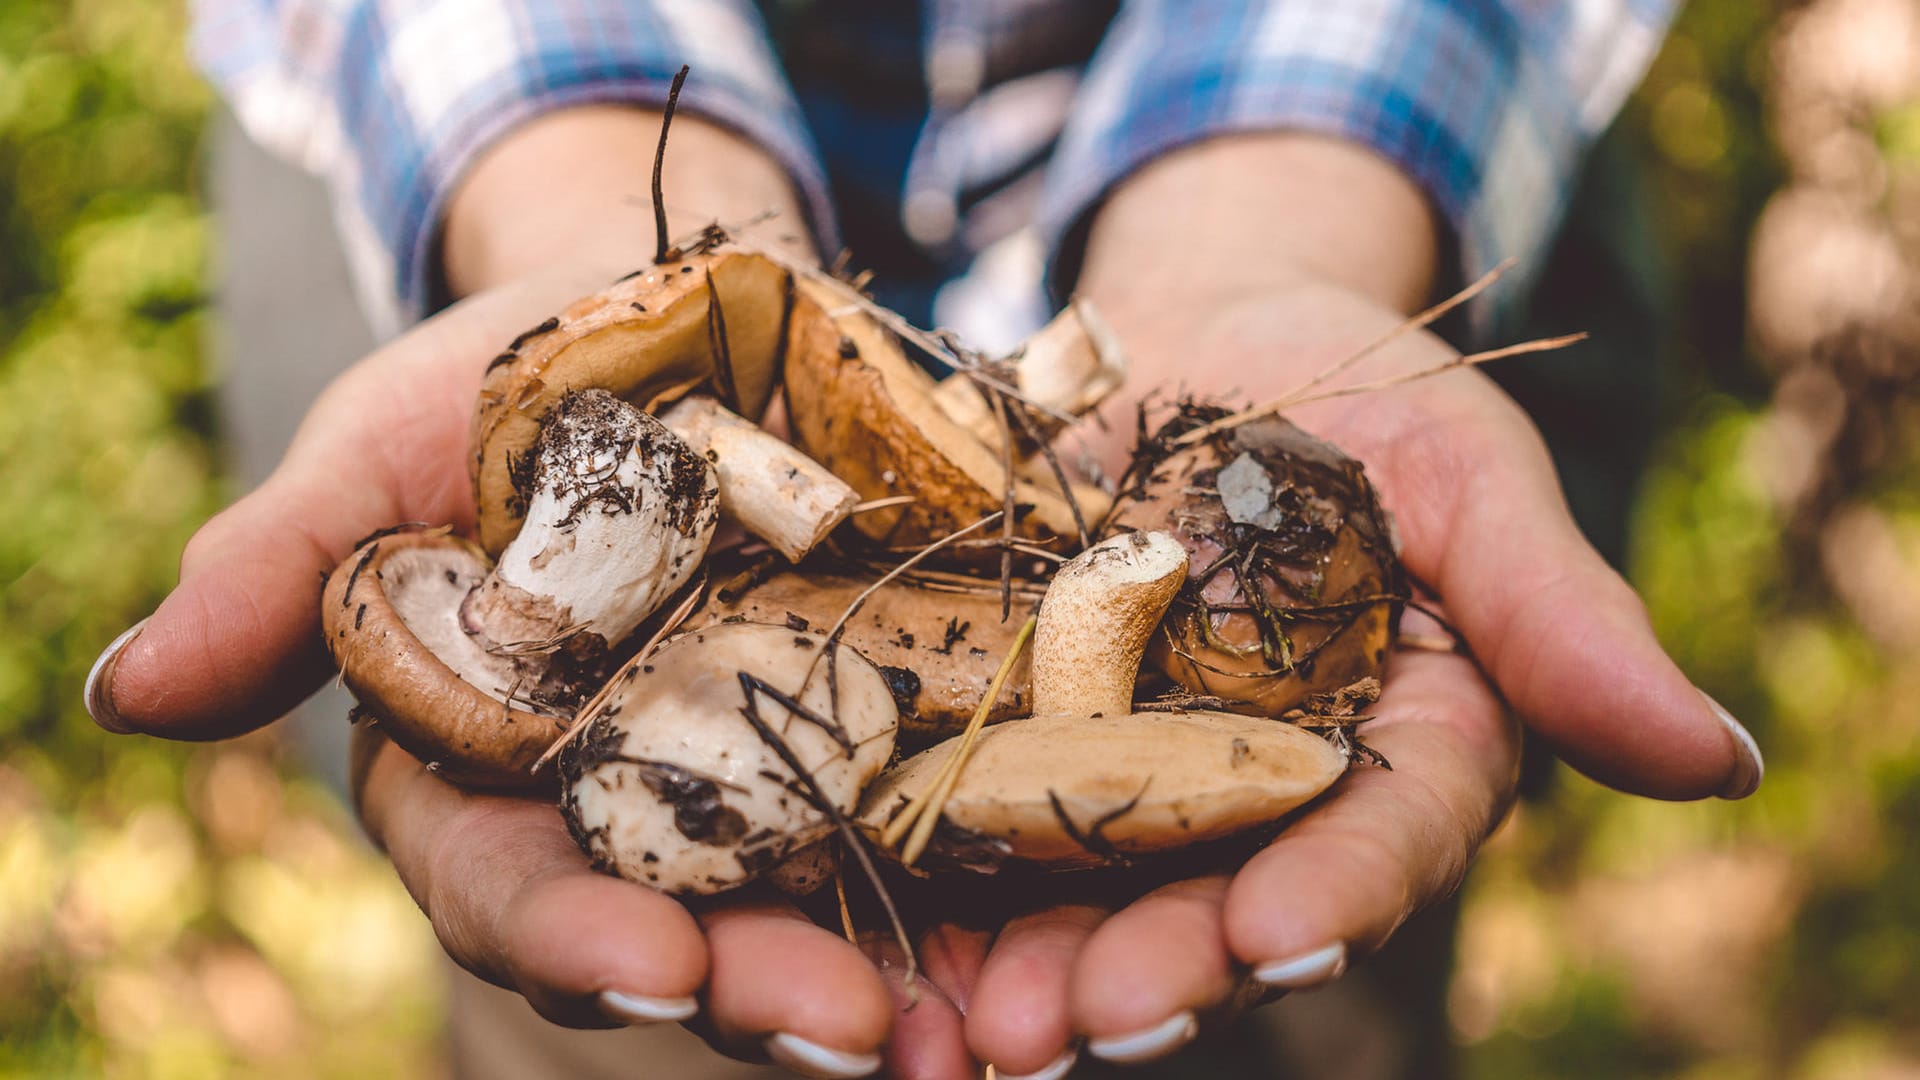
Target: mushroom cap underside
x: 391, y: 615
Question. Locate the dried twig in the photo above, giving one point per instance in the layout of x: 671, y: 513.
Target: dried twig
x: 661, y: 251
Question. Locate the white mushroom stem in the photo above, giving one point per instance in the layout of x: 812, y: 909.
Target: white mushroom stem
x: 773, y: 489
x: 620, y: 516
x: 1099, y: 614
x: 1068, y: 367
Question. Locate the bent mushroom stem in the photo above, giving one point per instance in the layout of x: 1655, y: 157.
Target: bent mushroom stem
x: 1071, y: 365
x: 620, y: 518
x: 1098, y: 617
x: 772, y: 488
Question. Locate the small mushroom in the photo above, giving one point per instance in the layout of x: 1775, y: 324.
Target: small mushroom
x: 476, y: 668
x: 860, y: 407
x: 1294, y: 589
x: 1069, y: 367
x: 671, y: 785
x: 774, y: 490
x: 1087, y: 780
x: 709, y: 315
x: 937, y: 638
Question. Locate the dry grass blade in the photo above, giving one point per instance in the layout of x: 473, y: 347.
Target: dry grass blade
x: 1298, y: 394
x: 599, y: 700
x: 923, y: 813
x: 1538, y: 345
x: 1006, y: 507
x: 846, y: 913
x: 882, y: 504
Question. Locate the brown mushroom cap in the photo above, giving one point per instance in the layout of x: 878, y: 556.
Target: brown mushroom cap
x: 860, y: 407
x: 646, y: 338
x: 938, y: 639
x: 671, y: 786
x: 1267, y: 502
x: 391, y: 614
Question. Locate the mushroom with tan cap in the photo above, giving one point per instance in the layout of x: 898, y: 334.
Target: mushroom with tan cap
x: 1294, y: 589
x: 677, y: 782
x: 862, y: 408
x: 707, y: 315
x: 474, y: 667
x: 1087, y: 779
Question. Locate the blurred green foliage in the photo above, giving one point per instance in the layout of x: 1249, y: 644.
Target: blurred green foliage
x: 164, y: 910
x: 191, y: 911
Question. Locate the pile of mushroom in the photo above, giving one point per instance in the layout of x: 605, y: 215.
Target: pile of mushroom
x: 717, y: 714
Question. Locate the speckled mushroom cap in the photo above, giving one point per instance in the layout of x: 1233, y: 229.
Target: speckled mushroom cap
x: 1268, y: 503
x: 671, y: 786
x: 391, y: 615
x: 937, y: 638
x: 859, y: 406
x: 646, y: 338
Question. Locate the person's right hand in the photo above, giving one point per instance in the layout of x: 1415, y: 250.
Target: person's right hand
x: 547, y: 216
x: 509, y: 894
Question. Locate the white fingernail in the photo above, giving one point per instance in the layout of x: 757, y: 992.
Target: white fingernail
x: 1157, y: 1041
x: 813, y: 1059
x: 98, y: 694
x: 639, y: 1009
x: 1307, y: 969
x: 1751, y: 767
x: 1058, y: 1068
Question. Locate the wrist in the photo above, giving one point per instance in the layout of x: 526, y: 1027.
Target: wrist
x: 573, y: 186
x: 1226, y: 222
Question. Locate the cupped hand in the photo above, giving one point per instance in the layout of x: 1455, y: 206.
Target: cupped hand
x: 1561, y: 636
x: 509, y: 894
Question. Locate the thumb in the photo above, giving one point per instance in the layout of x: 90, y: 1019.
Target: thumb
x: 237, y: 643
x: 1568, y: 642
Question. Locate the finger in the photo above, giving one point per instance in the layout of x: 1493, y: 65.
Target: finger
x: 513, y: 900
x: 1565, y: 637
x: 1019, y: 1019
x: 237, y: 642
x: 1145, y: 976
x: 801, y: 994
x: 927, y: 1041
x: 1385, y: 844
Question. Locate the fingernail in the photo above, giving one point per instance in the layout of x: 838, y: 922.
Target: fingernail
x: 813, y: 1059
x: 1306, y: 969
x: 636, y: 1009
x: 1058, y: 1068
x: 1751, y: 767
x: 1157, y: 1041
x: 99, y: 691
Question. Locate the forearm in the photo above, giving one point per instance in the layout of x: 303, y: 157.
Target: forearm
x: 574, y: 186
x: 1232, y: 220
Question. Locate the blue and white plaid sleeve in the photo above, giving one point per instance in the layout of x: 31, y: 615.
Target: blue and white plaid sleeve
x: 390, y: 100
x: 1486, y: 104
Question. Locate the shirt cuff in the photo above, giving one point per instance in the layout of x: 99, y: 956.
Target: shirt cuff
x: 434, y: 89
x: 1487, y: 108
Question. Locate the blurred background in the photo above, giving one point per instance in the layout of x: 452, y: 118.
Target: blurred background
x: 209, y: 910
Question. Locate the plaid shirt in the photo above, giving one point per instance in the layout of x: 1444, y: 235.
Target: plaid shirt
x: 1012, y: 117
